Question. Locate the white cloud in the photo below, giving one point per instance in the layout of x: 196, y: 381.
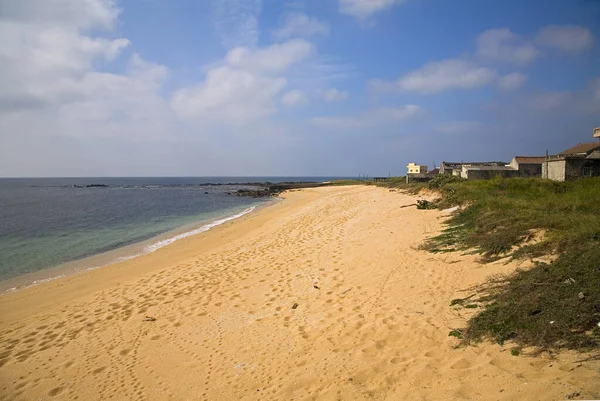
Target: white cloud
x: 275, y: 58
x: 511, y: 81
x: 363, y: 9
x: 458, y: 127
x: 568, y: 38
x: 82, y: 14
x: 295, y: 98
x: 582, y: 102
x: 47, y: 62
x: 49, y: 77
x: 300, y: 25
x: 505, y: 46
x: 37, y: 52
x: 115, y: 105
x: 229, y: 95
x: 439, y: 76
x: 548, y: 100
x: 236, y: 22
x: 245, y: 87
x: 334, y: 95
x: 51, y: 71
x: 321, y: 70
x: 378, y: 117
x: 494, y: 45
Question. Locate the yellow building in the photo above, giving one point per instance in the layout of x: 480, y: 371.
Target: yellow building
x: 414, y: 168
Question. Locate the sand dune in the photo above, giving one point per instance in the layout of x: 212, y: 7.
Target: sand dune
x: 371, y: 320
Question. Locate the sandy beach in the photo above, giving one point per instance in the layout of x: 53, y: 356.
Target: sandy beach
x: 323, y: 295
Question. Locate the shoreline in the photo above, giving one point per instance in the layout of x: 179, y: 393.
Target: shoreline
x: 122, y: 253
x: 324, y: 295
x: 73, y: 286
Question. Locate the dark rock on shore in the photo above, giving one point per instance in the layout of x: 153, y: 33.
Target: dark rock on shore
x: 91, y: 186
x: 256, y: 193
x: 267, y: 189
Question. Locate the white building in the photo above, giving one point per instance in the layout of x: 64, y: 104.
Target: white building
x: 414, y: 168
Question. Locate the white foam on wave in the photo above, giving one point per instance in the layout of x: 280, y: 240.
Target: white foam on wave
x: 45, y: 280
x: 160, y: 244
x: 34, y: 282
x: 147, y: 249
x: 165, y: 242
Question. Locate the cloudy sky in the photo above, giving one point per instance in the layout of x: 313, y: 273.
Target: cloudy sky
x: 274, y: 87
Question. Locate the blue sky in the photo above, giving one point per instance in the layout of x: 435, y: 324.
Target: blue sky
x: 328, y: 87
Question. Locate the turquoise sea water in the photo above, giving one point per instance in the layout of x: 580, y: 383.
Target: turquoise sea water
x: 48, y: 222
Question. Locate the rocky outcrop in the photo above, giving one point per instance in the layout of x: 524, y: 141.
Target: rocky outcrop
x: 268, y: 189
x: 256, y: 193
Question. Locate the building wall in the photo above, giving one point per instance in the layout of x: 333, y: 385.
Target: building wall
x: 592, y: 168
x: 530, y: 170
x: 414, y: 168
x: 527, y: 170
x: 418, y: 178
x: 571, y: 169
x: 554, y: 170
x: 574, y: 169
x: 489, y: 174
x: 447, y: 169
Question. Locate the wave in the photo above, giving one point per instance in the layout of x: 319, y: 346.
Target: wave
x: 160, y: 244
x: 147, y: 249
x: 165, y: 242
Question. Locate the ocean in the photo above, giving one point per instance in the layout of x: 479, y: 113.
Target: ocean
x: 49, y: 222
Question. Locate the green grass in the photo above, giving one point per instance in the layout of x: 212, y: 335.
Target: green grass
x: 456, y: 333
x: 349, y: 182
x: 551, y: 305
x: 399, y: 183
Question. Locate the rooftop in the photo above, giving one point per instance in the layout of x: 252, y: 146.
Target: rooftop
x: 530, y: 159
x: 495, y: 168
x: 473, y: 163
x: 582, y: 148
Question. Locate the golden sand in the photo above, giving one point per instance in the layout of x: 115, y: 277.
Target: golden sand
x: 213, y: 317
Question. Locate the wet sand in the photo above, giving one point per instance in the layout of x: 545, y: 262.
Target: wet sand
x: 322, y: 296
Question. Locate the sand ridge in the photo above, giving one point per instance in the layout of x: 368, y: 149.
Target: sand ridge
x: 371, y: 322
